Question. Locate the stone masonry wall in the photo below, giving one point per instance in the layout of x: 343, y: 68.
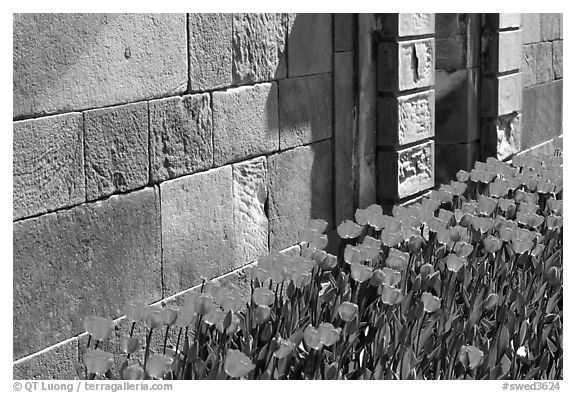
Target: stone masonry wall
x: 152, y: 150
x: 542, y: 77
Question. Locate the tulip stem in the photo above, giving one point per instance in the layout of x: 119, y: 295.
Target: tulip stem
x: 178, y: 340
x: 148, y: 339
x: 166, y: 339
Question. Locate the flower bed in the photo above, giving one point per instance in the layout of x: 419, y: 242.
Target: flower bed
x: 466, y: 284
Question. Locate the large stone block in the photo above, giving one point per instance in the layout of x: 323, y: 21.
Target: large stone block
x: 305, y: 105
x: 198, y: 236
x: 60, y: 362
x: 116, y: 141
x: 404, y: 24
x: 405, y: 172
x: 405, y: 65
x: 210, y: 51
x: 300, y: 189
x: 550, y: 26
x: 503, y: 20
x: 87, y: 260
x: 309, y: 44
x: 509, y: 50
x: 344, y: 32
x: 457, y: 105
x: 557, y: 59
x: 451, y: 158
x: 180, y: 136
x: 530, y: 28
x: 48, y: 171
x: 537, y: 64
x: 457, y: 40
x: 245, y: 122
x: 344, y: 136
x: 259, y: 47
x: 405, y: 119
x: 250, y: 190
x: 509, y: 93
x: 66, y: 62
x: 542, y: 113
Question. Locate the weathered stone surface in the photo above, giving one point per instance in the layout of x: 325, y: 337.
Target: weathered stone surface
x: 509, y: 50
x: 180, y: 136
x: 537, y: 64
x: 405, y: 65
x: 542, y: 113
x: 457, y: 105
x: 530, y: 28
x: 548, y: 148
x: 210, y: 50
x: 305, y: 110
x: 509, y: 93
x: 309, y: 44
x: 259, y: 47
x: 198, y: 236
x: 116, y: 143
x: 508, y: 133
x: 245, y: 122
x: 404, y: 24
x: 66, y: 62
x: 457, y: 39
x: 250, y: 221
x: 405, y: 172
x: 557, y: 59
x: 300, y: 189
x: 405, y: 119
x: 451, y: 158
x: 83, y: 261
x: 550, y: 26
x: 509, y: 20
x: 48, y: 171
x: 58, y: 363
x: 344, y: 138
x: 344, y: 33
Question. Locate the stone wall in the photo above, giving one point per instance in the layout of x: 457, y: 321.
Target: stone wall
x: 542, y: 77
x: 151, y: 151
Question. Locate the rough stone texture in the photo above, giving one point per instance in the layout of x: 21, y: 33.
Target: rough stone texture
x: 550, y: 26
x: 344, y: 33
x: 48, y: 160
x: 309, y: 44
x: 250, y: 221
x: 245, y: 122
x: 457, y: 39
x: 300, y: 189
x: 305, y: 110
x: 58, y: 363
x: 548, y: 148
x: 210, y: 51
x: 66, y: 62
x: 451, y: 158
x: 198, y: 236
x: 537, y: 64
x: 509, y: 93
x: 259, y: 47
x: 530, y: 28
x: 83, y: 261
x: 180, y: 136
x: 457, y: 105
x: 557, y: 59
x: 542, y: 113
x: 344, y: 136
x: 404, y: 24
x: 509, y: 135
x: 405, y: 119
x: 405, y: 65
x: 116, y: 141
x: 509, y: 50
x: 405, y: 172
